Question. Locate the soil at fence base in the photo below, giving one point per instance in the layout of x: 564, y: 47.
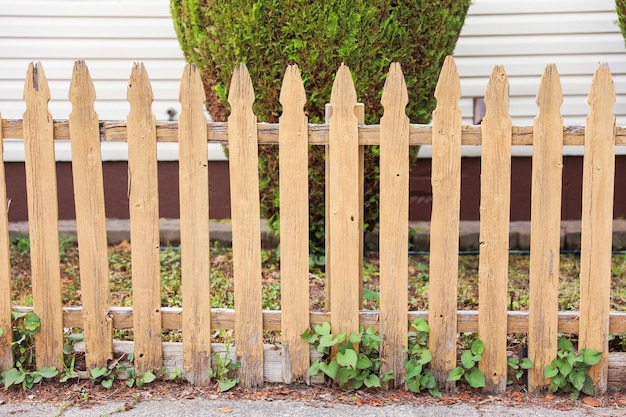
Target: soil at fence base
x: 74, y: 394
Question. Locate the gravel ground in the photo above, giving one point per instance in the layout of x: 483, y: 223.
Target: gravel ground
x: 281, y: 408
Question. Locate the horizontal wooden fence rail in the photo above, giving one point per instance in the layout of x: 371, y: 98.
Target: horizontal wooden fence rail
x: 224, y: 319
x: 345, y: 138
x: 217, y: 132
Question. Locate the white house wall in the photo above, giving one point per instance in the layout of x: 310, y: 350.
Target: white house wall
x: 525, y: 36
x: 111, y: 35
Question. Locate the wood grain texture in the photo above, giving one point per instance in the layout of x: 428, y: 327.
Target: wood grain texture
x: 495, y: 202
x: 194, y: 228
x: 90, y: 218
x: 444, y: 228
x: 246, y: 229
x: 217, y: 132
x: 345, y: 221
x: 41, y: 190
x: 144, y: 222
x: 597, y: 223
x: 394, y: 224
x: 294, y: 227
x: 547, y: 166
x: 6, y: 349
x: 224, y: 319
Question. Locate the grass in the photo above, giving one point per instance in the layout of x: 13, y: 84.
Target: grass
x: 221, y: 277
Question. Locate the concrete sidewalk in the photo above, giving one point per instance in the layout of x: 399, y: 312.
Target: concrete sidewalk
x: 280, y: 408
x: 469, y: 232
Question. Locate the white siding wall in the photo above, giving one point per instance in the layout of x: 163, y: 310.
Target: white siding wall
x: 110, y: 35
x: 525, y: 36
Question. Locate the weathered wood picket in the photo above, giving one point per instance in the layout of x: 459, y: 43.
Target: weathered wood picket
x: 345, y: 138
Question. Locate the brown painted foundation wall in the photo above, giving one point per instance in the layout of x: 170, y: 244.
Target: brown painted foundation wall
x: 420, y: 197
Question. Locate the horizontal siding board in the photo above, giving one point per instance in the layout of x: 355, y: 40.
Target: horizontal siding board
x: 85, y: 8
x: 532, y: 65
x: 86, y: 28
x: 547, y: 46
x: 528, y: 86
x: 136, y: 49
x: 117, y: 70
x: 504, y: 7
x: 112, y: 109
x: 540, y: 24
x: 105, y: 90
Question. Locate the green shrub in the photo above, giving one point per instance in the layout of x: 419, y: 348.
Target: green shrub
x: 267, y: 35
x: 621, y: 15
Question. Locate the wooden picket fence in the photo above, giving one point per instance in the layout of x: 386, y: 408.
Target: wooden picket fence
x: 345, y: 138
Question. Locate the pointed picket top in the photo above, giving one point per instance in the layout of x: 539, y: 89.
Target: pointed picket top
x: 292, y: 93
x: 602, y: 92
x: 36, y: 86
x: 343, y: 95
x: 241, y: 92
x: 81, y: 86
x: 497, y: 95
x: 395, y: 92
x: 448, y: 90
x: 191, y: 87
x: 139, y: 89
x: 550, y: 94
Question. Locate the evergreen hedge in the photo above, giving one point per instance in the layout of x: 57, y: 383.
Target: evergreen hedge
x: 267, y: 35
x: 620, y: 8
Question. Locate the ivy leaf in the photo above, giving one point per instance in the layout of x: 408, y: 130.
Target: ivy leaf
x: 564, y: 367
x: 364, y: 362
x: 13, y: 377
x: 309, y: 336
x: 421, y: 325
x: 559, y: 381
x: 425, y: 357
x: 588, y: 386
x: 564, y: 344
x: 347, y: 359
x: 435, y: 392
x: 370, y: 295
x: 413, y: 385
x: 97, y: 372
x: 429, y: 381
x: 107, y: 383
x: 573, y: 358
x: 527, y: 363
x: 228, y: 384
x: 346, y: 374
x: 414, y: 371
x: 577, y: 378
x: 148, y: 377
x: 372, y: 381
x: 326, y: 341
x: 475, y: 378
x: 355, y: 338
x: 323, y: 328
x: 48, y: 372
x: 550, y: 371
x: 75, y: 337
x: 478, y: 347
x: 32, y: 323
x: 456, y: 374
x: 315, y: 368
x: 590, y: 356
x: 330, y: 369
x: 467, y: 359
